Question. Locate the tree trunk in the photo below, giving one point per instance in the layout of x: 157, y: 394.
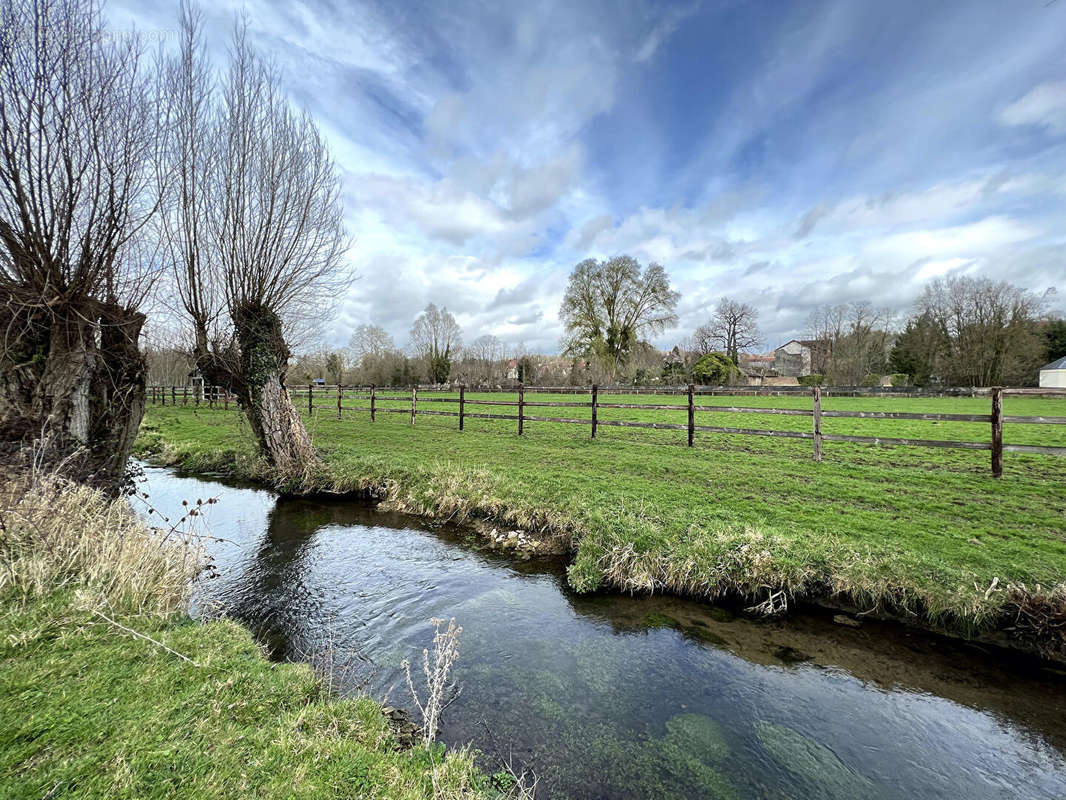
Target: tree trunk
x: 73, y: 390
x: 260, y: 386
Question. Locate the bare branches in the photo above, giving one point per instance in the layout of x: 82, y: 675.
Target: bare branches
x: 78, y: 132
x: 278, y: 229
x: 734, y: 327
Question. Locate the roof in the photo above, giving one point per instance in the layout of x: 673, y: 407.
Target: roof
x: 810, y: 344
x: 1058, y: 364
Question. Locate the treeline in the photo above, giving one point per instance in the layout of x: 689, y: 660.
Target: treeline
x: 962, y: 331
x: 977, y: 332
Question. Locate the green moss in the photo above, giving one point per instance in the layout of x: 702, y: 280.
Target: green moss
x: 824, y: 773
x: 698, y: 736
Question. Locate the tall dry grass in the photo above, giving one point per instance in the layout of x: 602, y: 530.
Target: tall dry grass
x: 57, y: 535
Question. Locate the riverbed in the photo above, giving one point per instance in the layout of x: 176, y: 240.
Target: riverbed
x: 613, y: 696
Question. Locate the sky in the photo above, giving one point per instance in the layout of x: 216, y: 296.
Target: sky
x: 784, y: 154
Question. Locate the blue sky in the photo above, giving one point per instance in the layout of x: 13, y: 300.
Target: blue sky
x: 785, y: 154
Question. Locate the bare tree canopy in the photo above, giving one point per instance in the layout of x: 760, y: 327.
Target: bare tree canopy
x: 854, y: 341
x: 610, y: 305
x: 78, y: 137
x: 370, y: 341
x: 435, y: 337
x: 254, y: 227
x: 733, y: 327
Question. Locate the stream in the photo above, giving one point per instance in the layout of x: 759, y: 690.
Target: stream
x: 612, y: 696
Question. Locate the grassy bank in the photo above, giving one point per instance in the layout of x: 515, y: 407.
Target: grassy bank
x: 107, y: 689
x: 921, y: 533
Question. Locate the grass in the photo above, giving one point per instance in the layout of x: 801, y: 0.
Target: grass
x: 921, y: 533
x: 89, y: 710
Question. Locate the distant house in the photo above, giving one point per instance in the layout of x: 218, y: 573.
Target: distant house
x: 754, y: 364
x: 1053, y: 375
x: 801, y: 357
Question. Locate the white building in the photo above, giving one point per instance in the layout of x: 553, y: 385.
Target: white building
x: 1053, y: 375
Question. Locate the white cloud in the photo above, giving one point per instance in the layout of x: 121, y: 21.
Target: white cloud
x: 1043, y: 106
x: 663, y: 31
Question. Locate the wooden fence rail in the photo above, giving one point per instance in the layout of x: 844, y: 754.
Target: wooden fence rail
x: 335, y: 395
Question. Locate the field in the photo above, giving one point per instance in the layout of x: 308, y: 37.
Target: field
x: 915, y: 531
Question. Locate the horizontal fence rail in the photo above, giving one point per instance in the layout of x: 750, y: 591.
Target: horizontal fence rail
x: 332, y: 397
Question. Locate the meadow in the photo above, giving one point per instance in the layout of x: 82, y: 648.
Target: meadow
x: 923, y: 533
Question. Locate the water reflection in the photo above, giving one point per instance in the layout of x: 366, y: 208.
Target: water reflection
x: 616, y: 696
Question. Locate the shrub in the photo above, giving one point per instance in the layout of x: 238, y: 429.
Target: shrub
x: 871, y: 380
x: 813, y: 379
x: 715, y: 369
x: 901, y: 379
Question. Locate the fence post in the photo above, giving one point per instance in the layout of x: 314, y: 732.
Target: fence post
x: 372, y: 387
x: 185, y: 396
x: 462, y: 404
x: 414, y: 402
x: 225, y: 398
x: 211, y: 397
x: 595, y: 407
x: 310, y: 401
x: 173, y: 395
x: 691, y: 416
x: 338, y: 401
x: 521, y: 407
x: 817, y: 423
x: 997, y: 432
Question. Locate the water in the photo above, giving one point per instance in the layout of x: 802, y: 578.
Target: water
x: 610, y: 696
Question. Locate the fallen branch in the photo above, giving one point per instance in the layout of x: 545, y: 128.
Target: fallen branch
x: 146, y: 638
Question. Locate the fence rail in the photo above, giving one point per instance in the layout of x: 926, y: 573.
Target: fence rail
x: 332, y: 398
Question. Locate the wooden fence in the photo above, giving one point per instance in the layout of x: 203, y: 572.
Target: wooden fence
x: 331, y: 398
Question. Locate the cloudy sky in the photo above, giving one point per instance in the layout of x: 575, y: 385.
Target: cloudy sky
x: 786, y: 154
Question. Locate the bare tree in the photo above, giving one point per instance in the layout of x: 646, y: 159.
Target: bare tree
x: 78, y: 139
x: 483, y: 356
x: 850, y: 341
x: 733, y: 327
x: 370, y: 341
x: 259, y: 239
x: 609, y: 305
x: 435, y: 337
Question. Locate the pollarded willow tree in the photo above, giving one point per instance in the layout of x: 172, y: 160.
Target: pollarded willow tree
x: 610, y: 304
x: 78, y: 137
x: 254, y: 229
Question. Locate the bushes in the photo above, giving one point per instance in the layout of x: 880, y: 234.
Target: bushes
x: 715, y: 369
x: 813, y: 379
x: 901, y: 379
